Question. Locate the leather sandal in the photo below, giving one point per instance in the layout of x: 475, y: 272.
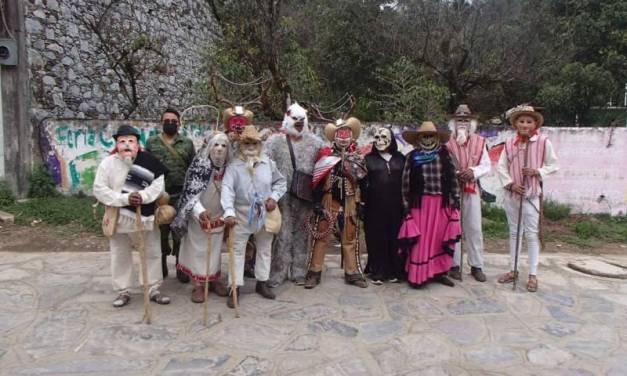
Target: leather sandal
x: 218, y: 288
x: 532, y: 283
x: 508, y: 277
x: 312, y: 279
x: 198, y: 294
x: 157, y: 297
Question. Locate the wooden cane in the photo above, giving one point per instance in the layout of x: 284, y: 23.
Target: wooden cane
x: 520, y: 205
x: 461, y: 240
x: 139, y: 226
x: 205, y: 314
x: 229, y: 246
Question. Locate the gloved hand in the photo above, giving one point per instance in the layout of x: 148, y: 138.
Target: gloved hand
x: 318, y: 209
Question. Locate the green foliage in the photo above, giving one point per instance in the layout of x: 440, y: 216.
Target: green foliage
x: 406, y: 94
x: 555, y: 211
x: 59, y: 210
x: 602, y: 227
x: 6, y: 194
x: 494, y: 221
x: 40, y: 183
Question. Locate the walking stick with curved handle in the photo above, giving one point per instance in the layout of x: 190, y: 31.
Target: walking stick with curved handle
x: 229, y: 247
x: 520, y: 206
x: 139, y: 228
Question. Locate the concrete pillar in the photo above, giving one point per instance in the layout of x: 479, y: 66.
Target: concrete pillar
x: 17, y: 129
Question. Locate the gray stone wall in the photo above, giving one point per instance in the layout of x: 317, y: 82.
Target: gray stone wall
x: 74, y: 74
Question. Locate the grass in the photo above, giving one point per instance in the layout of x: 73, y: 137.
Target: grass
x: 75, y: 211
x: 584, y: 231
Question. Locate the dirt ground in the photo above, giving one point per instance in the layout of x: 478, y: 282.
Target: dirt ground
x: 47, y: 238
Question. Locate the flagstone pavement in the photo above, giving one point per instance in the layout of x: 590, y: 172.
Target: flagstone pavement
x: 56, y: 318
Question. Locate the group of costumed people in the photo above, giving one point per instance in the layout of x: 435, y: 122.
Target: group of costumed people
x: 290, y: 193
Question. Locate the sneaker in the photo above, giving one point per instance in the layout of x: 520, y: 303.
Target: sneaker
x: 376, y: 279
x: 123, y: 299
x: 157, y: 297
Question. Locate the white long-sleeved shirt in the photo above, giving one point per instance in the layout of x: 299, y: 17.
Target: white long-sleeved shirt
x: 237, y: 182
x: 107, y: 189
x: 484, y: 167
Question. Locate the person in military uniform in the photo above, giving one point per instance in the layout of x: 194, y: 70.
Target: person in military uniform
x: 176, y: 152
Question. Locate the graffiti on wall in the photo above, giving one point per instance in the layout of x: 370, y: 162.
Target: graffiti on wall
x: 588, y: 179
x: 72, y: 149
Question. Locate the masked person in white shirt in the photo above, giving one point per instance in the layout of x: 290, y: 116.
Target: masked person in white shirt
x: 251, y: 188
x: 126, y: 179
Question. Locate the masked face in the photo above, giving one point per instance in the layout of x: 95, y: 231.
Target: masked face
x: 127, y: 148
x: 218, y: 149
x: 237, y: 124
x: 429, y: 142
x: 295, y: 120
x: 170, y: 123
x: 461, y: 130
x: 250, y: 148
x: 525, y: 125
x: 382, y: 139
x: 343, y: 138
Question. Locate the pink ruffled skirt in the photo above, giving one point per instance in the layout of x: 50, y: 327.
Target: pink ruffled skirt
x: 433, y: 230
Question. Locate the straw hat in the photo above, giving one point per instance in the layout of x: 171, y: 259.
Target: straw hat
x: 426, y: 127
x: 463, y: 112
x: 524, y: 109
x: 236, y: 111
x: 250, y: 133
x: 353, y: 123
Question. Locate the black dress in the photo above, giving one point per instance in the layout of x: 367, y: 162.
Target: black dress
x: 383, y: 214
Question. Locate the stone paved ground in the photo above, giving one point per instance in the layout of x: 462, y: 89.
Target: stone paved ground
x: 56, y: 318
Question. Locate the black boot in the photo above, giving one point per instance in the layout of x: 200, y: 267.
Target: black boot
x: 478, y: 274
x: 455, y: 273
x: 444, y: 280
x: 263, y: 289
x: 312, y: 279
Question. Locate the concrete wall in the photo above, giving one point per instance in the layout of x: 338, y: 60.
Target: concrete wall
x: 592, y: 177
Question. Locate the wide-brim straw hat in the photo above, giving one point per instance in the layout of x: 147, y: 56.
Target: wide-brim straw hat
x: 353, y: 123
x: 521, y: 110
x: 250, y: 133
x: 230, y: 112
x: 425, y: 128
x: 463, y: 112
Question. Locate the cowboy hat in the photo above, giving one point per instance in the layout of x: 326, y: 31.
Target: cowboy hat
x: 463, y: 112
x: 426, y: 127
x: 524, y: 109
x: 126, y: 130
x: 250, y: 133
x: 236, y: 111
x: 353, y: 123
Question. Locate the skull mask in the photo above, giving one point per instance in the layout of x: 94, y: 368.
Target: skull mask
x: 218, y: 149
x: 127, y: 148
x: 429, y: 141
x: 382, y: 139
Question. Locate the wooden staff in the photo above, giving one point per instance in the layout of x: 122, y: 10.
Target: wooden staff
x: 519, y: 220
x: 139, y: 228
x: 205, y: 314
x: 461, y: 225
x: 229, y: 247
